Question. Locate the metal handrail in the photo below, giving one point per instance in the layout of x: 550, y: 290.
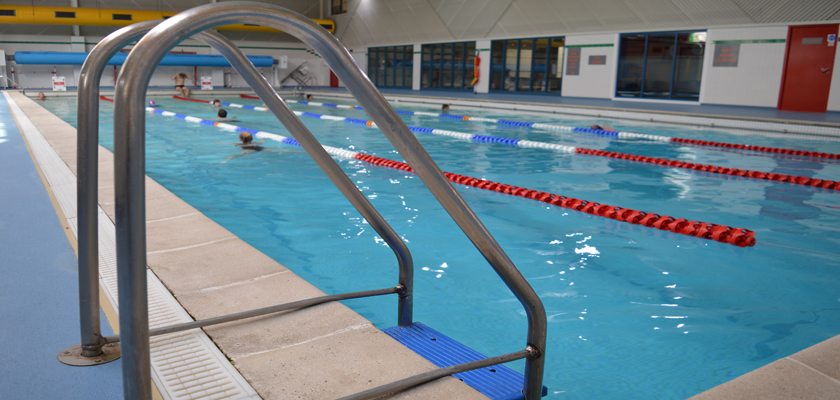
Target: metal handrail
x: 129, y: 128
x: 87, y: 184
x: 261, y: 311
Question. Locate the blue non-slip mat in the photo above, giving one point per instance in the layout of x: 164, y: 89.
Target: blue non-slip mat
x: 496, y: 382
x: 39, y: 289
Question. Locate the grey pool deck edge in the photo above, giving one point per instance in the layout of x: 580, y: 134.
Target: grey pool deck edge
x: 330, y: 352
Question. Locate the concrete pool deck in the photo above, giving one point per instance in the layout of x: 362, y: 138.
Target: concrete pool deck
x: 204, y: 266
x: 331, y: 352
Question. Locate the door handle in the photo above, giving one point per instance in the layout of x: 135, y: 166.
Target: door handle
x: 825, y: 70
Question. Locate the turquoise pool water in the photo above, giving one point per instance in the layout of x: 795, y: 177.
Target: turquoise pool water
x: 634, y: 313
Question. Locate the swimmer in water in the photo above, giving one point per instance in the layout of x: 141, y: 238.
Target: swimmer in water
x: 248, y: 146
x: 41, y: 96
x: 602, y: 128
x: 222, y: 116
x: 152, y: 103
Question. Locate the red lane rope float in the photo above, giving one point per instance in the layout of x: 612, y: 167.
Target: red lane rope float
x: 799, y: 180
x: 758, y: 148
x: 681, y: 140
x: 721, y: 233
x: 106, y: 99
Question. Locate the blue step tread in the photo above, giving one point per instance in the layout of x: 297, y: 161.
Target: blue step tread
x: 496, y: 382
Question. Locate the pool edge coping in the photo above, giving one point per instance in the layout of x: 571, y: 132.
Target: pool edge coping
x: 444, y: 386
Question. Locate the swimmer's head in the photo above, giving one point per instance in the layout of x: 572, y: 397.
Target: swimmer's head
x: 152, y: 103
x: 246, y: 137
x: 222, y: 114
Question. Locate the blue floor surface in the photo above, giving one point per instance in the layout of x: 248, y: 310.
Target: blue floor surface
x: 39, y: 299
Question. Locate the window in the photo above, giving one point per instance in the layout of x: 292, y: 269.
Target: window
x: 448, y: 65
x: 527, y: 65
x: 661, y: 65
x: 391, y: 66
x: 339, y: 7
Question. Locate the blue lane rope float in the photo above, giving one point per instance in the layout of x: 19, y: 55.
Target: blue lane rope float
x: 561, y: 128
x: 721, y: 233
x: 799, y: 180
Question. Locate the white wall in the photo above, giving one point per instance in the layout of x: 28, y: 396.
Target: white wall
x: 834, y: 93
x: 40, y: 76
x: 483, y: 84
x: 417, y: 66
x: 757, y: 79
x: 593, y: 80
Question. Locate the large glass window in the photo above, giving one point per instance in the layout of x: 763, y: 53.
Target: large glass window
x: 661, y: 65
x: 448, y: 65
x: 527, y: 65
x: 391, y: 66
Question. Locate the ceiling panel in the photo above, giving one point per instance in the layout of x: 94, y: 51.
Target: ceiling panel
x: 768, y: 11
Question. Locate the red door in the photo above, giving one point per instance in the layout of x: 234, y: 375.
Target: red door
x: 333, y: 79
x: 809, y: 61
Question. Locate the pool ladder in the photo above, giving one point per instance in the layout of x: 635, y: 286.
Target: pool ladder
x: 129, y: 171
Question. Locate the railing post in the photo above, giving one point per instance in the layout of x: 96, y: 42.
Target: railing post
x: 92, y: 350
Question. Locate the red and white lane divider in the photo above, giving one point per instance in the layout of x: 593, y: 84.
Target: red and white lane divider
x: 721, y: 233
x: 620, y: 135
x: 794, y: 179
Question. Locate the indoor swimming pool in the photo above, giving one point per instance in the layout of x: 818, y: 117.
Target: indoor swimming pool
x: 634, y: 312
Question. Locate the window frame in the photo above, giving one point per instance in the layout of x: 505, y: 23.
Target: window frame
x: 674, y: 57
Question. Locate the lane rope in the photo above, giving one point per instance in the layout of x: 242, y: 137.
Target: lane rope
x: 793, y: 179
x: 722, y: 233
x: 620, y: 135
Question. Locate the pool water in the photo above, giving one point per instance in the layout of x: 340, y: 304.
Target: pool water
x: 634, y: 312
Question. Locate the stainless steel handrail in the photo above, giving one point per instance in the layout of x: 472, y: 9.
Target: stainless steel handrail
x: 87, y: 184
x: 129, y: 152
x: 87, y: 174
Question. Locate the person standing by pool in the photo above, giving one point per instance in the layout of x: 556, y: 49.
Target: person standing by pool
x: 179, y: 83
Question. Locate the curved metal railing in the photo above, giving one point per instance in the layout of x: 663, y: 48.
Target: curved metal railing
x: 129, y: 151
x: 87, y: 184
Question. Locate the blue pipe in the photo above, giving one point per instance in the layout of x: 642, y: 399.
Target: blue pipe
x: 68, y: 58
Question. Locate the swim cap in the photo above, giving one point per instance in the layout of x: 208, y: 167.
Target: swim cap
x: 151, y: 102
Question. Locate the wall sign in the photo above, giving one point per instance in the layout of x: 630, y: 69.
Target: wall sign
x: 831, y: 39
x: 726, y: 55
x: 573, y: 61
x: 206, y: 83
x: 812, y: 40
x: 58, y: 83
x: 597, y: 60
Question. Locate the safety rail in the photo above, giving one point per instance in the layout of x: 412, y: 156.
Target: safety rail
x: 129, y: 168
x: 93, y: 351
